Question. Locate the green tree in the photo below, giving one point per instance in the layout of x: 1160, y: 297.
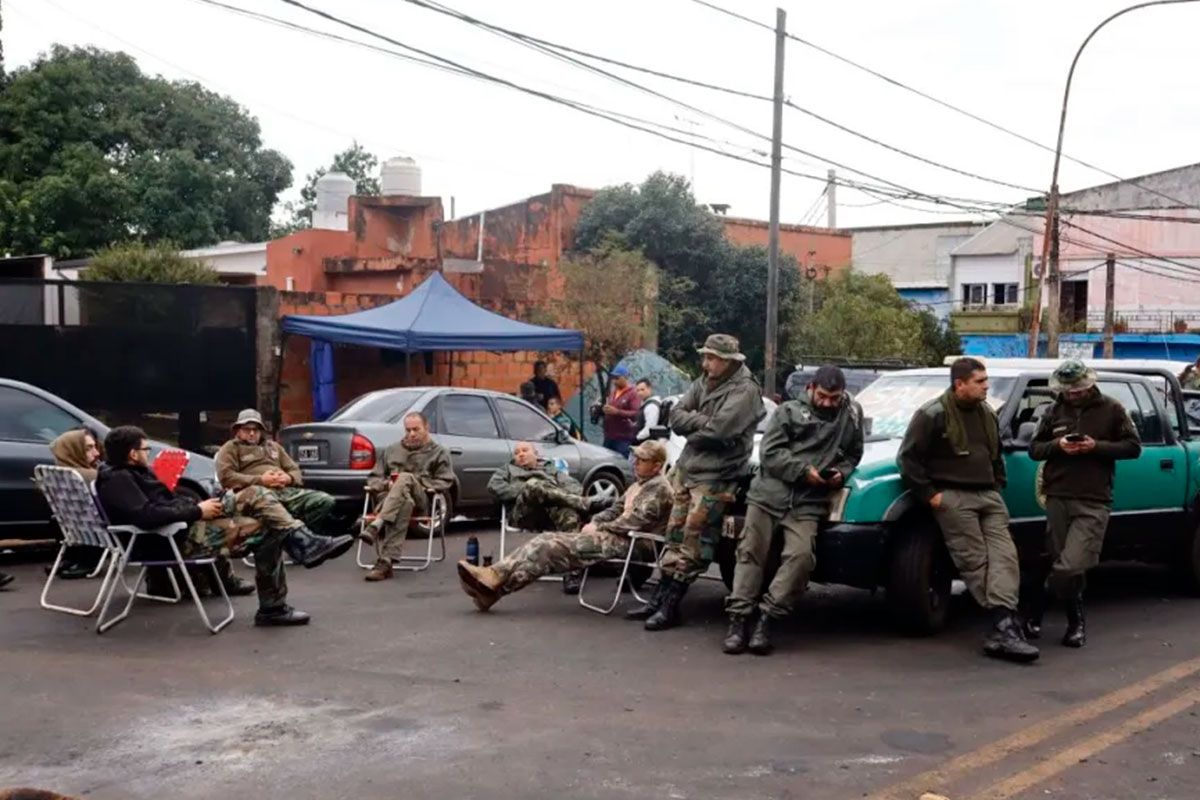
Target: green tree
x: 707, y: 284
x: 136, y: 262
x: 93, y: 151
x: 356, y: 162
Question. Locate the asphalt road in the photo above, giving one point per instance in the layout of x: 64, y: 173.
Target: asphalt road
x: 403, y: 690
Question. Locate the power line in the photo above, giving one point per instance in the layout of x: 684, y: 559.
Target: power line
x: 1131, y: 248
x: 1146, y: 271
x: 944, y: 104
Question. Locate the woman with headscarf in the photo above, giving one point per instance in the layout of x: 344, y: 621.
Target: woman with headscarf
x: 79, y: 450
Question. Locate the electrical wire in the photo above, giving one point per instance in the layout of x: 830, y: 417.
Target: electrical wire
x: 944, y: 104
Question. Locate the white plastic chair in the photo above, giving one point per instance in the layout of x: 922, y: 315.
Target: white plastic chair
x: 82, y: 524
x: 433, y: 524
x: 656, y: 540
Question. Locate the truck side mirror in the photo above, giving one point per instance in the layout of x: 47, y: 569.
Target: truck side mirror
x: 1025, y: 434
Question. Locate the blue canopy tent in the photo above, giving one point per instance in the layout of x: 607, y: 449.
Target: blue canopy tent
x: 434, y: 317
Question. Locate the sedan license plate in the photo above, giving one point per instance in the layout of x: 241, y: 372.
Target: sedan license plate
x: 308, y: 453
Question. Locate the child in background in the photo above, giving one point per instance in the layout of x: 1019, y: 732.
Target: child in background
x: 554, y: 407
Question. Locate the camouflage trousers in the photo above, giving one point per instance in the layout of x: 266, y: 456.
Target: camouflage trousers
x: 306, y: 505
x: 404, y: 498
x: 559, y: 552
x: 694, y: 528
x: 237, y: 535
x: 542, y: 506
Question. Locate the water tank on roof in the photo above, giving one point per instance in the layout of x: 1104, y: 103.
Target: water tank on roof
x: 333, y: 199
x: 400, y: 176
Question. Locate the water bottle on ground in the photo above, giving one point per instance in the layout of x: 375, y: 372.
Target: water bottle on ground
x: 473, y: 550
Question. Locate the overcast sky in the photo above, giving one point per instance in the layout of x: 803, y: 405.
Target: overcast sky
x: 1133, y: 107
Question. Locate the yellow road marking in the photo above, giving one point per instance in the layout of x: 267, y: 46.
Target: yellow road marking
x: 1065, y: 759
x: 933, y: 780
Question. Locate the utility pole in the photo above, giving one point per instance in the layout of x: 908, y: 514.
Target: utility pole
x: 773, y: 236
x: 831, y: 199
x: 1053, y: 301
x: 1110, y: 293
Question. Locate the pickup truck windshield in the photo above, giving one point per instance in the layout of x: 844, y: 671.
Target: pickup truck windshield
x: 891, y: 401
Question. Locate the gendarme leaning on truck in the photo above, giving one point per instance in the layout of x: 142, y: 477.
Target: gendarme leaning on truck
x: 950, y: 458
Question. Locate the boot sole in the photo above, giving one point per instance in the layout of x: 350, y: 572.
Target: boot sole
x: 333, y: 552
x: 1016, y: 658
x: 733, y: 651
x: 478, y: 592
x: 267, y: 622
x: 761, y: 651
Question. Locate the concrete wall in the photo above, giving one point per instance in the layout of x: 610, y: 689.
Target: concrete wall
x: 1173, y: 347
x: 909, y: 253
x: 832, y: 248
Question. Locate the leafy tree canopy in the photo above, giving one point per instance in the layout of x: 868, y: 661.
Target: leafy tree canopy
x: 356, y: 162
x: 138, y: 262
x: 93, y: 151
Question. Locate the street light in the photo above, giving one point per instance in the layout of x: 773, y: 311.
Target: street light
x: 1050, y: 239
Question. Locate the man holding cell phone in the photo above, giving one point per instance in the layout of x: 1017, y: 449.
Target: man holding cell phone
x: 1080, y: 438
x: 811, y: 446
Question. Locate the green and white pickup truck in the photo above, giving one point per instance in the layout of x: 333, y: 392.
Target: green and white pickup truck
x: 879, y: 536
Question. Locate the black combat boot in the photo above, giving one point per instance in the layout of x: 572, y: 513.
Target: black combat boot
x: 735, y: 639
x: 644, y: 612
x: 760, y: 640
x: 310, y: 550
x: 571, y: 582
x: 1034, y: 600
x: 1075, y: 636
x: 280, y: 615
x: 668, y: 614
x: 1007, y: 639
x: 234, y: 586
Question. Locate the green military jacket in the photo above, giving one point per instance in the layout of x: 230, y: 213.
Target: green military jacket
x: 1090, y: 476
x: 796, y: 440
x: 430, y: 464
x: 718, y: 423
x: 506, y: 482
x: 647, y: 513
x: 240, y: 465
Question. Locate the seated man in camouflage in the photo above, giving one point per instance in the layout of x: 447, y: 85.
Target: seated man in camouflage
x: 409, y: 471
x: 542, y: 499
x: 248, y: 460
x: 645, y: 507
x: 250, y: 521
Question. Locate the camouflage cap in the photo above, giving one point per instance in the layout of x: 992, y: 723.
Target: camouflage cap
x: 1072, y: 374
x: 722, y: 345
x: 248, y: 416
x: 651, y: 451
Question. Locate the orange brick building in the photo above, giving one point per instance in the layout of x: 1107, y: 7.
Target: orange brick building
x: 392, y: 243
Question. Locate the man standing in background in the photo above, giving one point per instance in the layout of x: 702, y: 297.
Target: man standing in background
x: 621, y: 413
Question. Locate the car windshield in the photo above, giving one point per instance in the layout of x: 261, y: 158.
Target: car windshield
x: 891, y: 401
x: 377, y: 406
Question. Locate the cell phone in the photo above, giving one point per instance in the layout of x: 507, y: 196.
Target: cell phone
x: 829, y: 474
x: 1075, y: 437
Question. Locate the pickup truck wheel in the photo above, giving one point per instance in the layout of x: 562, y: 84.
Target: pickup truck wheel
x: 919, y: 575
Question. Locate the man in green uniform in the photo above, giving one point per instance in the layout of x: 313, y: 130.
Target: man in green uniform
x: 644, y: 507
x: 401, y: 482
x: 247, y: 461
x: 950, y: 459
x: 811, y: 446
x: 1081, y: 437
x: 717, y: 415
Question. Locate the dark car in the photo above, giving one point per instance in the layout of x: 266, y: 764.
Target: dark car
x: 859, y: 374
x: 31, y: 418
x: 478, y: 427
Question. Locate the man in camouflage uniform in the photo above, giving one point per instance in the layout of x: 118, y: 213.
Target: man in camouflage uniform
x: 252, y: 521
x: 811, y: 446
x: 542, y: 499
x: 410, y: 470
x: 248, y: 460
x: 717, y: 415
x: 1080, y: 437
x: 644, y: 507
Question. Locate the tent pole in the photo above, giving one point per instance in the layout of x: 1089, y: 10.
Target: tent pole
x: 581, y: 409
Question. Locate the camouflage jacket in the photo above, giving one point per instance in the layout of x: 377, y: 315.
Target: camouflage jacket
x: 506, y: 482
x: 645, y: 507
x: 429, y: 464
x: 240, y: 465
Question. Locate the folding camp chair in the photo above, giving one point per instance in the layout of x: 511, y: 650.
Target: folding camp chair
x: 656, y: 540
x: 432, y: 523
x: 82, y: 524
x: 506, y: 530
x: 169, y: 466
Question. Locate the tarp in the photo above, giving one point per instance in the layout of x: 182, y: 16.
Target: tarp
x: 434, y: 317
x: 324, y: 388
x: 666, y: 378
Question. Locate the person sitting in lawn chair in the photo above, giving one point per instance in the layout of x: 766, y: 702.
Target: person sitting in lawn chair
x: 541, y: 498
x: 645, y: 507
x: 248, y: 459
x: 400, y: 485
x: 252, y: 520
